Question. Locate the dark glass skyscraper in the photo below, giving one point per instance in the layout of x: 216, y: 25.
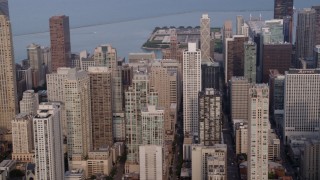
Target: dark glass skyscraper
x: 283, y: 8
x: 210, y: 75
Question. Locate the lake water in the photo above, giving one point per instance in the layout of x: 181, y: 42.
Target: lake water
x: 126, y: 24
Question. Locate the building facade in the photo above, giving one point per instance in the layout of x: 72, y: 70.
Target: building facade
x: 151, y: 162
x: 210, y: 75
x: 29, y: 103
x: 152, y: 125
x: 239, y: 87
x: 205, y: 37
x: 250, y: 61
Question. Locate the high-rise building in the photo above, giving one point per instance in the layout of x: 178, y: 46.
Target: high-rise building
x: 310, y: 160
x: 101, y: 106
x: 240, y: 23
x: 227, y: 29
x: 136, y: 97
x: 306, y: 34
x: 29, y: 103
x: 210, y: 75
x: 205, y: 31
x: 316, y: 55
x: 287, y: 29
x: 191, y: 88
x: 151, y: 162
x: 60, y: 42
x: 234, y: 56
x: 258, y: 128
x: 317, y: 24
x: 35, y: 61
x: 250, y: 58
x: 283, y: 8
x: 173, y: 52
x: 202, y: 164
x: 152, y: 123
x: 273, y: 146
x: 46, y: 57
x: 22, y: 138
x: 301, y: 103
x: 239, y: 87
x: 210, y: 117
x: 77, y: 98
x: 48, y: 142
x: 8, y: 99
x: 275, y: 56
x: 241, y: 136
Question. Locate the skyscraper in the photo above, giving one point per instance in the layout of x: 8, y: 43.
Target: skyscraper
x: 60, y: 42
x: 29, y: 103
x: 101, y: 106
x: 250, y: 58
x: 283, y: 8
x: 205, y: 37
x: 210, y: 75
x: 151, y: 162
x: 210, y: 117
x: 48, y: 142
x: 8, y: 91
x: 240, y: 23
x: 301, y: 103
x: 78, y: 114
x: 191, y: 88
x: 35, y: 60
x: 317, y: 24
x: 316, y: 55
x: 306, y: 31
x: 239, y: 87
x: 258, y: 128
x: 152, y: 123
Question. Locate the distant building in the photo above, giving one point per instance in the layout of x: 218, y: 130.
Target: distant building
x: 47, y: 133
x: 209, y: 161
x: 258, y: 128
x: 310, y: 160
x: 301, y: 103
x: 240, y: 23
x: 22, y: 138
x: 283, y: 8
x: 205, y: 31
x: 151, y: 162
x: 250, y: 58
x: 210, y: 117
x: 29, y: 103
x: 316, y: 56
x: 60, y: 42
x: 35, y: 61
x: 136, y: 57
x: 210, y: 75
x: 317, y: 24
x: 239, y: 88
x: 306, y: 34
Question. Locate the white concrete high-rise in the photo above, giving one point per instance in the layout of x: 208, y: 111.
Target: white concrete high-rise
x: 22, y: 138
x: 258, y: 128
x: 78, y: 114
x: 205, y: 37
x: 48, y: 142
x: 151, y: 162
x: 8, y: 91
x: 191, y: 88
x: 301, y: 103
x: 240, y: 23
x: 30, y: 102
x: 205, y: 158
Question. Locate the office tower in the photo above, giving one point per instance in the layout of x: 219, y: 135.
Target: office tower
x: 135, y: 98
x: 29, y: 103
x: 240, y: 23
x: 241, y: 136
x: 239, y: 97
x: 60, y: 42
x: 151, y: 162
x: 101, y: 106
x: 152, y: 122
x: 227, y: 29
x: 46, y: 57
x: 287, y: 29
x: 283, y: 8
x: 273, y: 31
x: 205, y: 37
x: 250, y: 58
x: 305, y: 40
x: 22, y: 138
x: 275, y: 56
x: 210, y: 75
x: 165, y: 82
x: 48, y: 142
x: 316, y: 56
x: 210, y: 117
x: 8, y: 100
x: 191, y: 88
x: 258, y: 128
x: 34, y: 52
x: 310, y: 160
x: 78, y: 114
x: 317, y: 24
x: 202, y: 161
x: 301, y: 103
x: 273, y: 146
x: 276, y: 83
x: 234, y: 56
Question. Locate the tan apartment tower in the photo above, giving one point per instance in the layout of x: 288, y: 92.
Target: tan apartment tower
x: 205, y: 37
